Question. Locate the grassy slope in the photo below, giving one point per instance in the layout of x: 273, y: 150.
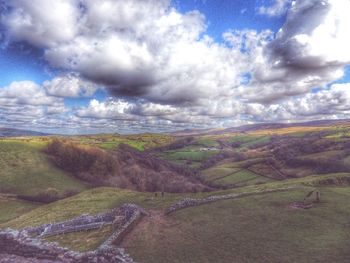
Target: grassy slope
x: 243, y: 177
x: 111, y: 141
x: 26, y: 170
x: 92, y: 239
x: 101, y: 199
x: 191, y: 155
x: 253, y: 229
x: 10, y: 208
x: 217, y: 172
x: 240, y: 230
x: 92, y: 202
x: 188, y: 153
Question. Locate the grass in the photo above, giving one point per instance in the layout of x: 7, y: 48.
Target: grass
x: 259, y: 228
x: 299, y: 130
x: 249, y: 140
x: 257, y: 141
x: 92, y: 201
x: 244, y: 138
x: 207, y: 142
x: 242, y: 177
x: 11, y: 208
x: 240, y: 163
x: 92, y: 239
x: 111, y: 141
x: 26, y: 170
x: 218, y: 172
x: 196, y: 156
x: 203, y: 224
x: 339, y: 134
x: 253, y: 229
x: 101, y: 199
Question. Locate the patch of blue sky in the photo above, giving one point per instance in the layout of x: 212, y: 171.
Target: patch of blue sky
x: 346, y: 77
x: 22, y: 64
x: 224, y: 15
x: 246, y: 78
x: 100, y: 95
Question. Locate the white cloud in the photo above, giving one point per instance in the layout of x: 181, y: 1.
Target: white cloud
x: 113, y: 109
x: 164, y: 71
x: 278, y: 8
x: 26, y: 93
x: 24, y: 103
x: 135, y: 48
x: 309, y: 51
x: 69, y: 86
x: 42, y: 23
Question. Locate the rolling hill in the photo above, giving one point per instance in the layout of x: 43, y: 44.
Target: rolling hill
x: 10, y: 132
x: 271, y: 170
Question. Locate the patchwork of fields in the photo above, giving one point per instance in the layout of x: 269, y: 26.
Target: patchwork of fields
x: 257, y: 228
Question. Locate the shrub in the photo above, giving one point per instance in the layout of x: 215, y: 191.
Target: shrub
x: 126, y: 168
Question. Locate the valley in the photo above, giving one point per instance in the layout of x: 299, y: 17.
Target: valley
x: 261, y: 173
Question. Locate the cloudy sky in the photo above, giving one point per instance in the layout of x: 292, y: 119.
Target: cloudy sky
x: 127, y: 66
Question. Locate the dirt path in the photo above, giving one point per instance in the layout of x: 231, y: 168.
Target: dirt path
x: 156, y: 220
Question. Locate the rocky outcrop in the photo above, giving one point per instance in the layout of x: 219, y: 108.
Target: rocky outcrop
x: 27, y: 243
x: 189, y: 202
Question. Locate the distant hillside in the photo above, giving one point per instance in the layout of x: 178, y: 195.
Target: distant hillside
x: 125, y: 168
x: 9, y: 132
x: 265, y: 126
x: 262, y: 126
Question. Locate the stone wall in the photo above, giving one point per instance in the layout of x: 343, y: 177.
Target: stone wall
x: 117, y: 217
x: 118, y: 235
x: 81, y: 223
x: 18, y: 243
x: 189, y: 202
x: 27, y: 243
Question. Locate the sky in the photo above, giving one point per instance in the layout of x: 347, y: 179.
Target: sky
x: 133, y: 66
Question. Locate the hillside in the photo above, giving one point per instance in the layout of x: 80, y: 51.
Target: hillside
x: 10, y: 132
x: 125, y: 167
x: 26, y: 170
x: 244, y: 229
x: 268, y: 177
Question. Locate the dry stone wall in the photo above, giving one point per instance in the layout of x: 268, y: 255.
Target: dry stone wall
x: 27, y: 243
x: 189, y: 202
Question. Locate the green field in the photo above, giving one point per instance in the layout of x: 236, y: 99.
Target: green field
x: 91, y: 202
x: 253, y: 229
x: 12, y: 208
x: 259, y: 227
x: 26, y: 170
x: 92, y: 239
x: 238, y: 230
x: 217, y: 172
x: 207, y: 142
x: 111, y: 141
x: 242, y: 178
x: 187, y: 154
